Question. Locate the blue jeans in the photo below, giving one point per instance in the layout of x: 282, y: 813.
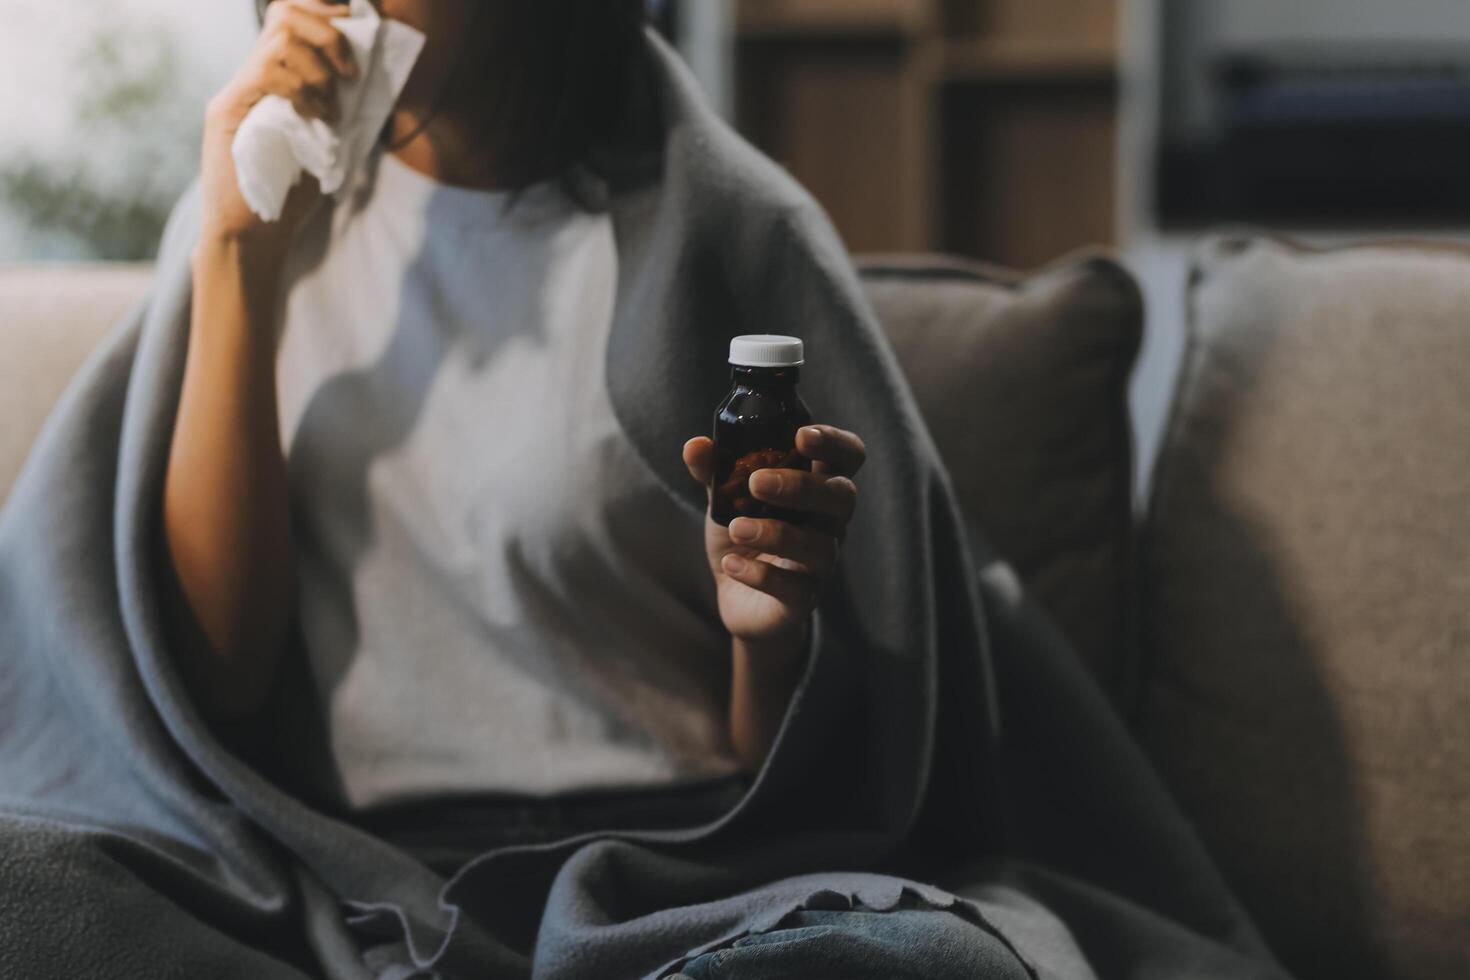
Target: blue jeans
x: 863, y: 945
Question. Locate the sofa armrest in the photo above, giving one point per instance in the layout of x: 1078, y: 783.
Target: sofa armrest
x: 51, y: 317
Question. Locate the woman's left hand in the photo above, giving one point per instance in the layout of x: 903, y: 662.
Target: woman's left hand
x: 766, y: 570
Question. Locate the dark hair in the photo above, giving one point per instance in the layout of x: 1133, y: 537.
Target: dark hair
x: 550, y: 80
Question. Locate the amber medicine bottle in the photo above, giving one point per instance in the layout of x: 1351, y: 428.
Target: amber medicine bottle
x: 756, y: 423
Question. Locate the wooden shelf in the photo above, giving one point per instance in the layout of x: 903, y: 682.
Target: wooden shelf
x: 1017, y: 60
x: 1094, y: 21
x: 985, y: 128
x: 796, y: 19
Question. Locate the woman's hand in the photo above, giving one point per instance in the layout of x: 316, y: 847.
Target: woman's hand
x: 767, y: 571
x: 299, y: 57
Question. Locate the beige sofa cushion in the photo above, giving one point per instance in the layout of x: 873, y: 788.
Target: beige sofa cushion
x: 51, y: 317
x: 1023, y: 380
x: 1308, y: 599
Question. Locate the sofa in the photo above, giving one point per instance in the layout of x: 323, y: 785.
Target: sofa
x: 1285, y: 624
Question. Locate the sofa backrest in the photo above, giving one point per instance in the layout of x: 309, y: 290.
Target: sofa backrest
x: 1307, y: 599
x: 51, y: 318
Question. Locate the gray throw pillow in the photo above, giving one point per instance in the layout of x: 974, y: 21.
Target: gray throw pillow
x: 1023, y: 381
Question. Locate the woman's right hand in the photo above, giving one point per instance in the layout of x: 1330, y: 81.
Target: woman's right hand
x: 299, y: 56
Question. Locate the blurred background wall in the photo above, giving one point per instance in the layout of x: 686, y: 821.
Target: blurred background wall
x: 1007, y: 130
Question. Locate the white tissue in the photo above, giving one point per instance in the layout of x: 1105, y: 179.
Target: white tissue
x: 274, y: 145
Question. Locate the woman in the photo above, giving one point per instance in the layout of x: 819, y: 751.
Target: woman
x: 561, y: 657
x: 457, y: 472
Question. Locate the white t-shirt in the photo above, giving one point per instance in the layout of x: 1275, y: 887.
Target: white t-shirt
x: 495, y: 593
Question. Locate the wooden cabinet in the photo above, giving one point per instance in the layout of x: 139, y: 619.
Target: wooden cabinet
x: 854, y: 122
x: 1093, y: 21
x: 986, y: 128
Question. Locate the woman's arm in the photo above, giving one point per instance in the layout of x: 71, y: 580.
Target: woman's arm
x: 767, y: 573
x: 226, y: 510
x: 763, y: 676
x: 225, y: 503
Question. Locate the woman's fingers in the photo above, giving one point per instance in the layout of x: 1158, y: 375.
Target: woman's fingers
x: 302, y: 55
x: 814, y: 551
x: 832, y: 450
x: 699, y: 458
x: 329, y: 43
x: 317, y: 8
x: 297, y: 72
x: 818, y: 493
x: 791, y: 588
x: 284, y: 82
x: 303, y: 70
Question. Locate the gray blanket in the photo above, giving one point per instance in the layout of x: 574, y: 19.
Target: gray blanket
x: 945, y: 764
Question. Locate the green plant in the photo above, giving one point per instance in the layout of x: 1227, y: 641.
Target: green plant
x: 109, y: 191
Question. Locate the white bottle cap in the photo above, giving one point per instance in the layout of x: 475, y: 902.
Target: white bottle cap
x: 766, y: 350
